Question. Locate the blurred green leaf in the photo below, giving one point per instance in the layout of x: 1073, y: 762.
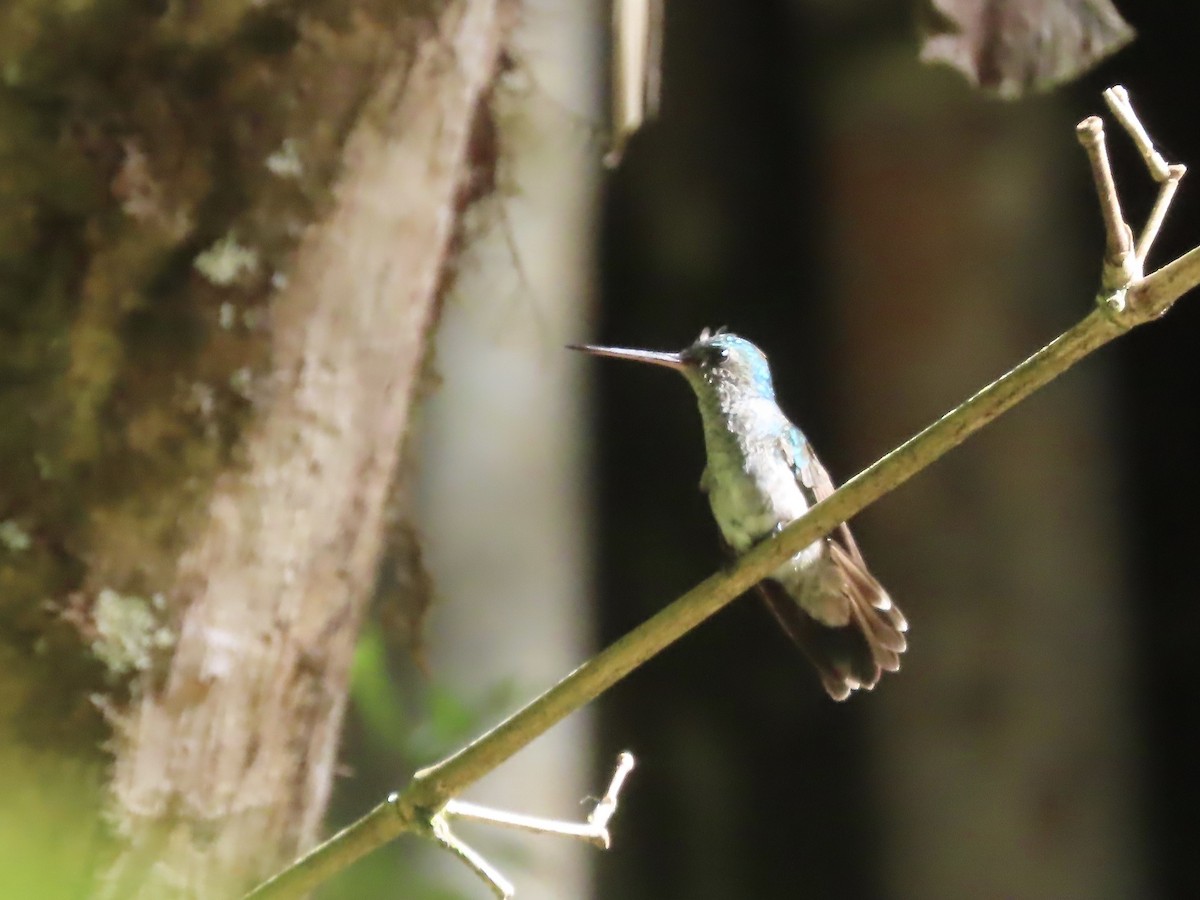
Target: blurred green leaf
x: 379, y: 701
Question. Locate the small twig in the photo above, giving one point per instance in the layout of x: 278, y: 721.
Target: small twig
x: 1166, y: 193
x: 607, y: 806
x: 431, y: 788
x: 594, y: 830
x: 1120, y: 261
x: 1168, y: 176
x: 1117, y: 99
x: 473, y: 812
x: 475, y: 860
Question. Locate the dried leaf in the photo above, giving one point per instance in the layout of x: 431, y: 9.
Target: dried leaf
x: 1015, y: 47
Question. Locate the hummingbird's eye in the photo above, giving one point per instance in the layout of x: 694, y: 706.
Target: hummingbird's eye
x: 709, y: 356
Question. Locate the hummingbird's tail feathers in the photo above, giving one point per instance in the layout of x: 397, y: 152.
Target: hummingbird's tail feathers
x: 840, y: 655
x: 852, y: 656
x: 870, y: 604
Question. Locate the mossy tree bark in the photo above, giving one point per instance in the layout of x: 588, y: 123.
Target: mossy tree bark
x: 223, y: 234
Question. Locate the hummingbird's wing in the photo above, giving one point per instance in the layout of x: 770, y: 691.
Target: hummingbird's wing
x: 817, y: 484
x: 853, y: 655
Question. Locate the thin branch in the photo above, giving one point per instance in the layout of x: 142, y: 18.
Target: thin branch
x: 474, y: 860
x: 607, y: 806
x: 1168, y: 176
x: 1166, y: 193
x: 1120, y: 261
x: 1117, y: 99
x: 594, y: 830
x: 473, y: 812
x: 433, y: 787
x: 1155, y: 294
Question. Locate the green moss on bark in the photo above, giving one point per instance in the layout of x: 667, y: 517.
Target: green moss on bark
x: 131, y: 142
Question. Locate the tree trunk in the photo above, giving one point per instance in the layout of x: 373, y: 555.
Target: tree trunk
x: 212, y: 371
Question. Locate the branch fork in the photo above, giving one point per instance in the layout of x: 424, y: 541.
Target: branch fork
x: 1125, y: 260
x: 594, y: 830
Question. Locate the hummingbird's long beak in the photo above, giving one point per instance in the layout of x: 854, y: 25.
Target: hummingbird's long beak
x: 654, y: 357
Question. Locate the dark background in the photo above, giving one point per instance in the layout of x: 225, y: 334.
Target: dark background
x: 751, y: 782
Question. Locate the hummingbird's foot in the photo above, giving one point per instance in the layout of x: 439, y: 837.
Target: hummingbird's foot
x: 770, y: 534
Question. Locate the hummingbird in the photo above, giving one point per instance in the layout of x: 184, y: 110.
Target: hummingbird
x: 761, y: 474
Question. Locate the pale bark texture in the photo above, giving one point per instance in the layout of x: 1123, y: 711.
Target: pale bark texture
x: 497, y: 490
x: 209, y: 370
